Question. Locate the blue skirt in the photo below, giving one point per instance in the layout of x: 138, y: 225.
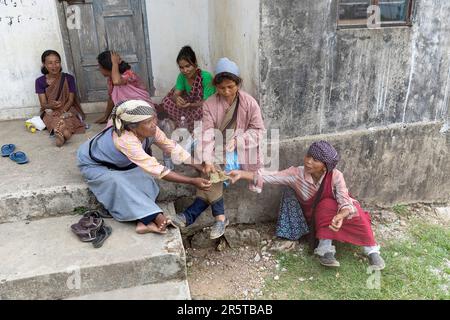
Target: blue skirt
x: 292, y: 223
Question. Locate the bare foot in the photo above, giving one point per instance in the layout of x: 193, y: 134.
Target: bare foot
x: 151, y: 227
x: 163, y: 222
x: 59, y: 139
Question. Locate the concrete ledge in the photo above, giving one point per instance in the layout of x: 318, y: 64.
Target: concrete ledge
x: 173, y: 290
x: 401, y: 163
x: 51, y: 184
x: 47, y: 261
x: 14, y: 113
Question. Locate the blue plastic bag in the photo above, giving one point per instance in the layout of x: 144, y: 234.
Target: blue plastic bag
x: 232, y: 163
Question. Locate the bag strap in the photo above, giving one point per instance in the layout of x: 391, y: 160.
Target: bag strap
x: 225, y: 126
x: 109, y: 165
x: 312, y: 233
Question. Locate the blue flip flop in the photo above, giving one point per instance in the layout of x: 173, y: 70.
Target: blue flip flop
x: 7, y: 149
x: 19, y: 157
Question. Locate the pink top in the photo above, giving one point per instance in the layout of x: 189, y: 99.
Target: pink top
x: 131, y: 147
x: 304, y: 186
x: 249, y: 129
x: 133, y: 89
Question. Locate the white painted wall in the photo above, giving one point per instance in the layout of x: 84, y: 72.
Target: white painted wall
x: 33, y: 28
x: 234, y: 33
x: 214, y: 28
x: 173, y: 24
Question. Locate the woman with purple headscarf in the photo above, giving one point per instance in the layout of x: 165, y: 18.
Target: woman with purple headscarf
x: 318, y: 193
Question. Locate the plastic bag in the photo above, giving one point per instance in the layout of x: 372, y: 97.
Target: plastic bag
x: 232, y: 163
x: 37, y: 123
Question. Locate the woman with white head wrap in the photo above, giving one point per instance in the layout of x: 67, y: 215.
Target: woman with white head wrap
x: 120, y: 170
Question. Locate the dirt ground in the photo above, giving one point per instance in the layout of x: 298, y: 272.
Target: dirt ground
x: 239, y: 273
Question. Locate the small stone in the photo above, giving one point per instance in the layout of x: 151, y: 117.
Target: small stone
x: 257, y: 258
x: 395, y: 254
x: 264, y: 248
x: 264, y: 242
x: 283, y: 246
x: 276, y: 278
x: 301, y: 279
x: 207, y: 263
x: 277, y: 266
x: 311, y: 278
x: 189, y: 264
x: 337, y: 275
x: 402, y: 223
x: 283, y: 270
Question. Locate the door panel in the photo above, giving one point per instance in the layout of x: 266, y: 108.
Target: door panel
x: 107, y: 25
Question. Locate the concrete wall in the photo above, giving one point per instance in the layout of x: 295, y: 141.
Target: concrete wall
x: 385, y: 166
x: 317, y: 79
x: 234, y: 32
x: 27, y: 30
x: 173, y: 24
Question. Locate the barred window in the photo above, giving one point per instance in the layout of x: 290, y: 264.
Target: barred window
x: 357, y: 13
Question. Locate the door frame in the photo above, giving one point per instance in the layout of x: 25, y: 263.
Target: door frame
x: 68, y: 49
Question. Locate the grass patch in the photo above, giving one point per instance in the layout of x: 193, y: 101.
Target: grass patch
x: 80, y: 210
x: 400, y: 209
x: 415, y: 269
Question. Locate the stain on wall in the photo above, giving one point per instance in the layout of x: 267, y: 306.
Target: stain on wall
x: 318, y: 79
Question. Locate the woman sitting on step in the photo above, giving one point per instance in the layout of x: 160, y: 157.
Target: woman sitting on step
x: 192, y: 88
x: 60, y: 109
x: 123, y: 83
x: 321, y: 195
x: 121, y: 172
x: 237, y: 115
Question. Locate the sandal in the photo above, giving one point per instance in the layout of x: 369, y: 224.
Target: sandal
x: 102, y: 234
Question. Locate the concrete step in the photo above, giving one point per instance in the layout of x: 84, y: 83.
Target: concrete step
x: 43, y: 259
x: 51, y: 184
x: 171, y: 290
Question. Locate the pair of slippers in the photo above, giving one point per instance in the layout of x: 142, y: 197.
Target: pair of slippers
x: 91, y: 228
x: 18, y: 157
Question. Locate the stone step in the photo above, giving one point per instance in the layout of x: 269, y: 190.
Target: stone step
x: 171, y: 290
x: 43, y: 259
x: 51, y: 183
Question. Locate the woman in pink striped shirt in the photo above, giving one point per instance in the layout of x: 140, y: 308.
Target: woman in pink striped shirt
x: 323, y: 199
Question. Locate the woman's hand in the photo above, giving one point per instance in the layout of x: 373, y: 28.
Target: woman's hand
x: 201, y: 184
x: 180, y: 102
x: 55, y: 104
x: 208, y: 168
x: 115, y: 58
x: 235, y: 175
x: 337, y: 221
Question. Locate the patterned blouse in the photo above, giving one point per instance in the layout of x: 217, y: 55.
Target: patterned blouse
x: 304, y: 186
x: 131, y: 147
